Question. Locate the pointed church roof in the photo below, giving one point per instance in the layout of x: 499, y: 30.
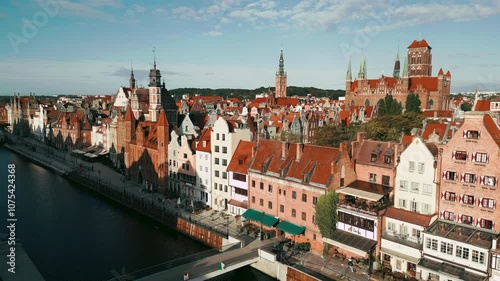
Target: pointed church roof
x: 419, y: 44
x: 129, y: 116
x: 448, y: 74
x: 162, y: 120
x: 440, y: 72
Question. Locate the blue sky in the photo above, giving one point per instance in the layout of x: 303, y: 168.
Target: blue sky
x: 87, y: 46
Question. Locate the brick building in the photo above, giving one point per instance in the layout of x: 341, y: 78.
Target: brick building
x: 287, y: 179
x: 434, y: 92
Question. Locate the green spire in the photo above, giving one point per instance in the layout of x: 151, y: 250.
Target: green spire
x: 396, y: 67
x: 281, y: 70
x: 360, y: 73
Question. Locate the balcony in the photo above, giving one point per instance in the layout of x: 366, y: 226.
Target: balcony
x: 405, y: 239
x: 363, y: 206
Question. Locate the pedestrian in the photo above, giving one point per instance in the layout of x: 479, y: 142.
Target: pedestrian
x: 350, y: 264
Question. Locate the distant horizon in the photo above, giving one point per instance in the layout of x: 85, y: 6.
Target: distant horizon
x: 88, y: 47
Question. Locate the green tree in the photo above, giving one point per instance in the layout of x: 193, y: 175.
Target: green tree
x: 326, y: 213
x: 389, y: 106
x: 465, y: 106
x: 332, y: 135
x: 413, y: 103
x: 390, y: 127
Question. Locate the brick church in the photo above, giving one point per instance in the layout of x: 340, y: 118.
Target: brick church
x: 434, y: 92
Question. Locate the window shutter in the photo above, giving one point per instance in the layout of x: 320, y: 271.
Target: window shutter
x: 473, y: 156
x: 478, y: 222
x: 444, y: 175
x: 487, y: 158
x: 464, y: 133
x: 481, y: 180
x: 478, y: 134
x: 459, y: 218
x: 460, y: 198
x: 441, y: 214
x: 453, y: 153
x: 443, y: 195
x: 480, y: 202
x: 462, y: 177
x: 494, y: 204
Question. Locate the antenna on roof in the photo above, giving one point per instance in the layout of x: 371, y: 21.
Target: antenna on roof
x: 419, y: 36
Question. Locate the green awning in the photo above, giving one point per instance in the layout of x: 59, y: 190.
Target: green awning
x: 268, y: 220
x: 290, y: 228
x: 261, y: 217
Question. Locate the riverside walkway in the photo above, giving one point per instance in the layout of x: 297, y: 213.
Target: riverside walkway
x: 109, y: 182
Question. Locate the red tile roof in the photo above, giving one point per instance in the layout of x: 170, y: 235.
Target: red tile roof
x: 419, y: 44
x: 448, y: 74
x: 428, y: 83
x: 408, y: 216
x: 482, y: 105
x: 241, y: 158
x: 440, y: 130
x: 287, y: 101
x: 441, y: 72
x: 492, y: 128
x: 439, y: 113
x: 406, y: 140
x: 204, y: 144
x: 315, y: 161
x: 381, y: 148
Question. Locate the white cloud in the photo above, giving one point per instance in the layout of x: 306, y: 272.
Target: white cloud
x: 159, y: 11
x: 346, y: 16
x: 89, y: 10
x: 214, y: 33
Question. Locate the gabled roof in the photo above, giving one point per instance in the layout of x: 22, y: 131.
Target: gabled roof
x: 419, y: 44
x: 408, y: 216
x: 492, y: 128
x: 406, y: 140
x: 428, y: 83
x: 241, y: 158
x: 204, y: 143
x: 287, y: 101
x: 380, y: 148
x: 439, y: 129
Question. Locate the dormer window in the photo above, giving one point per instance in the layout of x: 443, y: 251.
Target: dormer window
x: 374, y: 157
x: 387, y: 159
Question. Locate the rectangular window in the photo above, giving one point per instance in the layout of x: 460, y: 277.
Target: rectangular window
x: 472, y: 134
x: 415, y: 233
x: 294, y: 213
x: 427, y: 188
x: 391, y: 226
x: 239, y: 177
x: 261, y: 202
x: 315, y: 200
x: 223, y: 137
x: 373, y: 177
x: 282, y: 208
x: 411, y: 166
x: 216, y: 173
x: 402, y: 203
x: 426, y: 208
x: 216, y: 160
x: 450, y: 196
x: 304, y: 216
x: 270, y: 205
x: 460, y: 155
x: 225, y: 188
x: 224, y: 149
x: 421, y: 168
x: 217, y: 136
x: 216, y: 148
x: 434, y: 244
x: 488, y: 203
x: 480, y: 157
x: 314, y: 219
x: 294, y: 195
x: 413, y: 206
x: 253, y: 199
x: 253, y: 183
x: 415, y: 186
x: 475, y: 256
x: 262, y: 186
x: 403, y: 185
x: 450, y: 175
x: 467, y: 219
x: 387, y: 159
x: 386, y: 180
x: 469, y: 178
x: 488, y: 224
x: 270, y: 188
x: 304, y: 197
x: 224, y: 162
x: 224, y: 175
x: 374, y: 157
x: 490, y: 181
x: 468, y: 199
x: 449, y: 216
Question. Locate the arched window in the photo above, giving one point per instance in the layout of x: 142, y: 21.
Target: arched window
x: 367, y: 102
x: 430, y: 105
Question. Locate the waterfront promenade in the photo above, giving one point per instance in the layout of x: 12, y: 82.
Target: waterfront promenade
x: 108, y: 182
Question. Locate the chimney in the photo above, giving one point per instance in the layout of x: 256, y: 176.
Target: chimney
x: 361, y: 136
x: 435, y: 114
x: 284, y: 149
x: 300, y: 150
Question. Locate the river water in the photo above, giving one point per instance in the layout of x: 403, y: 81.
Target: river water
x: 72, y: 234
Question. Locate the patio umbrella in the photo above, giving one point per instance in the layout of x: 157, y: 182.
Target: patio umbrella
x: 179, y: 201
